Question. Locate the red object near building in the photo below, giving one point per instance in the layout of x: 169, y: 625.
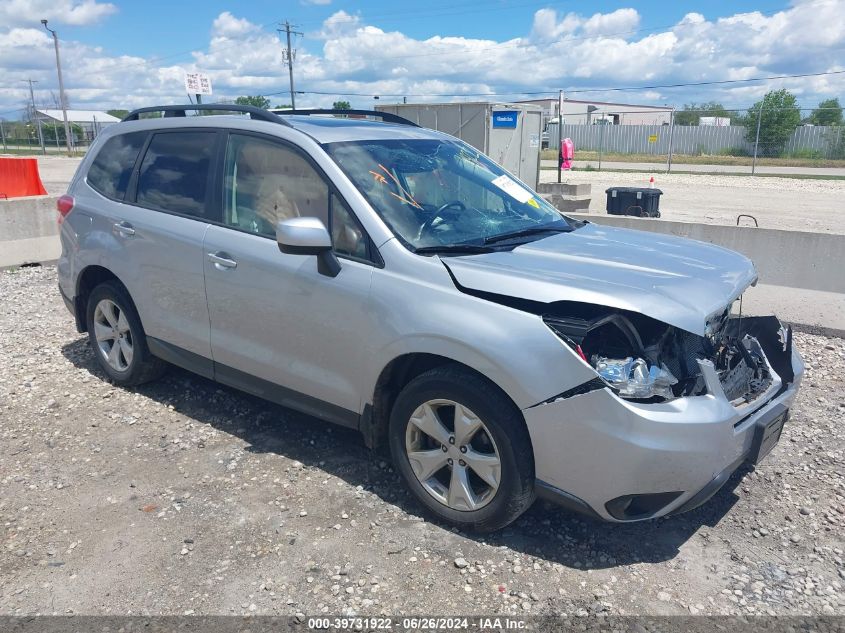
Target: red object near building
x: 19, y: 177
x: 567, y: 154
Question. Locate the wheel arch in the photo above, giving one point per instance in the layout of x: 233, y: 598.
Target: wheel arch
x: 90, y: 277
x: 393, y: 377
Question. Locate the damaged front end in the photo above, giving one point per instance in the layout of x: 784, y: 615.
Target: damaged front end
x: 644, y: 360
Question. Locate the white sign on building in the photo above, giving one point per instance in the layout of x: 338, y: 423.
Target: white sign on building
x: 197, y: 84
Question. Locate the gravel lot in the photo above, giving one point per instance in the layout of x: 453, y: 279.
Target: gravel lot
x: 778, y: 203
x: 186, y: 497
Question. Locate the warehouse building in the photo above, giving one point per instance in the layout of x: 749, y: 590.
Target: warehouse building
x: 577, y: 112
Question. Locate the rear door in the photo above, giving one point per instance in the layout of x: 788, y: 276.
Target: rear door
x: 280, y: 328
x: 160, y: 229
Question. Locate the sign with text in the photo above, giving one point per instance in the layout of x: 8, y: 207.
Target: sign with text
x: 197, y: 84
x: 505, y: 119
x: 652, y: 138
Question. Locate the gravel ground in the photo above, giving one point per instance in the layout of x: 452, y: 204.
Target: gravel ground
x: 792, y: 204
x: 186, y: 497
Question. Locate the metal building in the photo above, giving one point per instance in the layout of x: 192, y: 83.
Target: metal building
x: 506, y: 132
x: 580, y: 112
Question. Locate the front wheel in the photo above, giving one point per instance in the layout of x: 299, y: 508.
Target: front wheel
x: 462, y: 448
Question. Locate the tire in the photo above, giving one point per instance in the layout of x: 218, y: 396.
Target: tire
x: 502, y: 434
x: 110, y: 305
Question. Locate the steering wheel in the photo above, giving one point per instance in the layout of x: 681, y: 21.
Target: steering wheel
x: 427, y: 225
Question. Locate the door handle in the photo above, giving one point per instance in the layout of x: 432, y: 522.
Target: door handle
x: 124, y: 229
x: 222, y: 261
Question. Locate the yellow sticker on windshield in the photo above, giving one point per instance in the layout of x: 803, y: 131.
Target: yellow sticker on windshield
x: 533, y: 202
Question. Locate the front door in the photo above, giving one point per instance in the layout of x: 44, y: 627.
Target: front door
x: 280, y: 328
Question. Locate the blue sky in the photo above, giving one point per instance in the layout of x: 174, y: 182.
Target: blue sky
x: 138, y: 28
x: 122, y: 54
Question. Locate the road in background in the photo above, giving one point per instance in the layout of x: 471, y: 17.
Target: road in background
x: 705, y: 169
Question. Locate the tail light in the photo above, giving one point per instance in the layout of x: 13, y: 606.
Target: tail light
x: 64, y: 205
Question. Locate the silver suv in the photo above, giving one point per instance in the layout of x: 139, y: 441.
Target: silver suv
x: 393, y: 279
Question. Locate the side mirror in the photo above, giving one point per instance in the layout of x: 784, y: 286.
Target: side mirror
x: 308, y: 236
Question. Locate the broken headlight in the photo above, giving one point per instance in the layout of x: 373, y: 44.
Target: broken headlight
x: 634, y: 378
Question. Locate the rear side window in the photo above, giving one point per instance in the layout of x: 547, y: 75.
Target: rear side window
x: 112, y: 168
x: 174, y: 173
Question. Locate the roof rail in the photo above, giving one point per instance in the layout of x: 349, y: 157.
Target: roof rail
x: 179, y: 111
x: 387, y: 117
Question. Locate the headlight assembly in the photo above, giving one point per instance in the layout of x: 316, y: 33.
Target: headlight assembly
x: 633, y: 378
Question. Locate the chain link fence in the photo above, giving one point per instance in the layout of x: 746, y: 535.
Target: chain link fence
x: 25, y: 137
x: 721, y: 142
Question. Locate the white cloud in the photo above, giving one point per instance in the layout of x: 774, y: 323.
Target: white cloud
x: 317, y: 2
x: 74, y: 12
x: 227, y: 25
x: 347, y: 54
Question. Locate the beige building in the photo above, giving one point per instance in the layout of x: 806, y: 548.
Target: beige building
x: 601, y: 112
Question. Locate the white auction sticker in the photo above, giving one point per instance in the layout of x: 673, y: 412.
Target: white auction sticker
x: 506, y: 184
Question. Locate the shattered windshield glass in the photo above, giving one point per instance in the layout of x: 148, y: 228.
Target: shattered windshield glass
x: 437, y: 193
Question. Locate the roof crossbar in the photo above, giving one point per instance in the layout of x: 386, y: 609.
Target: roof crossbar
x: 387, y: 117
x: 179, y: 111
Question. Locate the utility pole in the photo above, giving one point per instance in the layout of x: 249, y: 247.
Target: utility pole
x: 671, y: 134
x: 559, y: 131
x: 61, y: 86
x: 757, y: 138
x: 289, y: 56
x: 35, y: 114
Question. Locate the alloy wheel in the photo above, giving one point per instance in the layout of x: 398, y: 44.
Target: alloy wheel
x: 453, y: 455
x: 113, y: 334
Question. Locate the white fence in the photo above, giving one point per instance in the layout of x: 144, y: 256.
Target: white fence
x: 821, y: 142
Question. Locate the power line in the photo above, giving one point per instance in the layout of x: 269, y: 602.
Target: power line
x: 569, y: 91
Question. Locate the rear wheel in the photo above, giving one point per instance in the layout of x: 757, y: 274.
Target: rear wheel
x: 117, y: 337
x: 462, y: 448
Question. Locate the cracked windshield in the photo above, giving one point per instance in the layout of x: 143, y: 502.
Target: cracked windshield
x: 437, y: 193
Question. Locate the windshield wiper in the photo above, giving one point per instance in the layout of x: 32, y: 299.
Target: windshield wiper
x: 454, y: 248
x: 526, y: 232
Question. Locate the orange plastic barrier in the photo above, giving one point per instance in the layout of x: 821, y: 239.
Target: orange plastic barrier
x: 19, y: 177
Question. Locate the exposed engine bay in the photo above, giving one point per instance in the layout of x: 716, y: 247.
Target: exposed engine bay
x: 645, y: 360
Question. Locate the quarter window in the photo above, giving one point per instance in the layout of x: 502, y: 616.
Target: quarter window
x: 348, y: 237
x: 174, y: 173
x: 112, y: 168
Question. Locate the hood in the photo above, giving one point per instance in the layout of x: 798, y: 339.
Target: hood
x: 678, y: 281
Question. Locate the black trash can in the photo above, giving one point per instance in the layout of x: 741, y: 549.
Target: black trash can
x: 643, y: 202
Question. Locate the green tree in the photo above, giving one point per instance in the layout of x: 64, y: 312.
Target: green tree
x: 282, y: 106
x: 778, y: 120
x: 341, y: 105
x: 118, y: 113
x: 53, y: 130
x: 257, y: 101
x: 693, y: 111
x: 829, y: 112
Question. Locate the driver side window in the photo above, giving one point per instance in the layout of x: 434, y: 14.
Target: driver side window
x: 266, y: 182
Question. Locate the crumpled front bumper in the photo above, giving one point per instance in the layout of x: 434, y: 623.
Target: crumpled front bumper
x: 595, y: 448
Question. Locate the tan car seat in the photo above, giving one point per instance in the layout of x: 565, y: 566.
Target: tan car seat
x: 261, y: 178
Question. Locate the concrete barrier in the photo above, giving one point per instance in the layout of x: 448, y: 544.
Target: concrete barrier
x: 797, y: 259
x: 566, y: 197
x: 28, y: 231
